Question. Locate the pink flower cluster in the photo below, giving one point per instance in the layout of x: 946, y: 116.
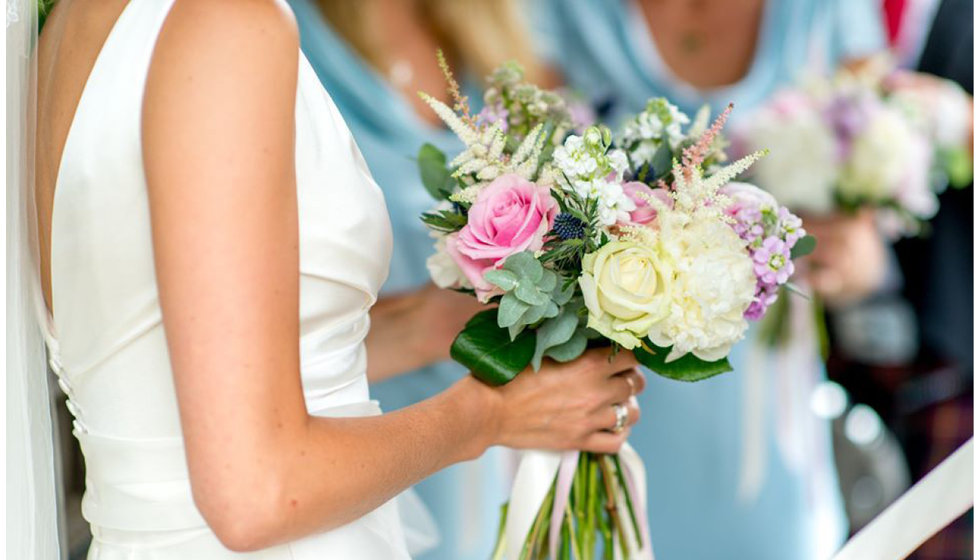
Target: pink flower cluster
x: 771, y: 231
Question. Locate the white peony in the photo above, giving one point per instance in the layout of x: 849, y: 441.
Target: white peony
x: 802, y: 166
x: 713, y: 285
x: 878, y: 159
x: 443, y: 269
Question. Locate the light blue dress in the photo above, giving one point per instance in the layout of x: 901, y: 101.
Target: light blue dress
x: 691, y: 436
x: 464, y: 499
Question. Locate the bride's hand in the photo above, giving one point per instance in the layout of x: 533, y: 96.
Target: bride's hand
x: 568, y: 406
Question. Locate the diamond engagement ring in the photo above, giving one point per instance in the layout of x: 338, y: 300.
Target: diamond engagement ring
x: 622, y: 415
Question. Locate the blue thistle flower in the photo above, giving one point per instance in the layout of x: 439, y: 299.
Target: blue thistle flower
x: 568, y: 226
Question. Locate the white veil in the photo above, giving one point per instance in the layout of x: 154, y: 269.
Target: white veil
x: 32, y: 513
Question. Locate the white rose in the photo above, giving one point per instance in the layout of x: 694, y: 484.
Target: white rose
x: 626, y: 287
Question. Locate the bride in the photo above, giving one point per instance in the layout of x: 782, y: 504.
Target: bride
x: 210, y: 245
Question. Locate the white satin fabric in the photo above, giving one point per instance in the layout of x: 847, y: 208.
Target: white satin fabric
x: 106, y: 339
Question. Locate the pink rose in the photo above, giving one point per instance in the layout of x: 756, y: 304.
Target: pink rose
x: 640, y: 194
x: 511, y: 215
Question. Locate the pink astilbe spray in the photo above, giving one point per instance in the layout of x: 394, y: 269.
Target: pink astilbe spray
x: 695, y: 154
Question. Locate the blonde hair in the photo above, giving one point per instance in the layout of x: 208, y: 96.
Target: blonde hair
x: 479, y: 34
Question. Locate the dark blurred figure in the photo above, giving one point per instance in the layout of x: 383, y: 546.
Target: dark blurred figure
x: 928, y: 399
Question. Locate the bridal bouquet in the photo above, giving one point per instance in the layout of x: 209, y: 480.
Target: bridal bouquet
x: 872, y: 138
x: 640, y: 242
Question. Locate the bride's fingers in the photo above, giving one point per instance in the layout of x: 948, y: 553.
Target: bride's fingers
x: 605, y: 419
x: 605, y: 442
x: 620, y: 387
x: 602, y: 364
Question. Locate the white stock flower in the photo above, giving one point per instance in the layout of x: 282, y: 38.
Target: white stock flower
x: 575, y: 160
x: 713, y: 285
x: 660, y: 118
x: 614, y: 205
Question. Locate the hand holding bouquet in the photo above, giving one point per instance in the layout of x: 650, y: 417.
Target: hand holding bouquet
x: 640, y: 242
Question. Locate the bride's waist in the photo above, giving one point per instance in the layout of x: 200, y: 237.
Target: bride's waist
x: 142, y: 484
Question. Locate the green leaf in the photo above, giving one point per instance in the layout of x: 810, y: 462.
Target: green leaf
x: 535, y: 314
x: 436, y: 178
x: 447, y: 221
x: 529, y: 293
x: 959, y: 167
x: 488, y: 351
x: 803, y: 247
x: 504, y: 279
x: 511, y: 310
x: 548, y: 281
x: 570, y: 350
x: 662, y: 161
x: 525, y: 265
x: 563, y: 292
x: 554, y: 332
x: 686, y: 368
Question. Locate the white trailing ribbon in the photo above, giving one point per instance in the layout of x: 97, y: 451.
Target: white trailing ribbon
x: 933, y: 503
x: 537, y: 472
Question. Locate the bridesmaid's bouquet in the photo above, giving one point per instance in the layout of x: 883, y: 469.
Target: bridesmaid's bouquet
x: 640, y: 242
x: 875, y: 138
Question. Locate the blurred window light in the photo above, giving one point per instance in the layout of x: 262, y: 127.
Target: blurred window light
x: 828, y: 400
x: 863, y: 426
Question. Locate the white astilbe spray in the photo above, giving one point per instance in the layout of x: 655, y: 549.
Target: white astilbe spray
x: 484, y: 158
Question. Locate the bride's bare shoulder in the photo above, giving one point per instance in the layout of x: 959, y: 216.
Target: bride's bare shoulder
x: 221, y: 26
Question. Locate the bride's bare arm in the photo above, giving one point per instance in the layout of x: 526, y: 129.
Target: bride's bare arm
x: 415, y: 329
x: 218, y: 146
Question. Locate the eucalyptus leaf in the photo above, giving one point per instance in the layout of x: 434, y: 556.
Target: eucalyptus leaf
x: 554, y: 332
x: 571, y: 349
x: 563, y: 293
x: 548, y: 281
x: 511, y: 310
x: 534, y: 314
x: 551, y: 310
x: 525, y: 265
x: 488, y: 351
x: 529, y: 293
x: 504, y: 279
x: 436, y: 178
x: 804, y: 246
x: 686, y: 368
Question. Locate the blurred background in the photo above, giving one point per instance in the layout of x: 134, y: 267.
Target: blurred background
x: 898, y: 393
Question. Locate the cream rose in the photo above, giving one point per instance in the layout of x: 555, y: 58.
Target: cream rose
x: 627, y: 289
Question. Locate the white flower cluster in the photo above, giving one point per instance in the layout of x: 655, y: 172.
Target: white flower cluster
x: 713, y: 285
x: 594, y: 172
x: 645, y: 132
x: 802, y: 169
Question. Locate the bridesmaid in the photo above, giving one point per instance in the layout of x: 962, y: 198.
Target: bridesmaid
x: 373, y: 57
x: 695, y: 439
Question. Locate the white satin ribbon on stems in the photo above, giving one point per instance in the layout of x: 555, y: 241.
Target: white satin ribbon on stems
x: 544, y: 475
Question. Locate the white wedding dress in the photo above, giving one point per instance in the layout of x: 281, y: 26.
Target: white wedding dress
x: 106, y: 339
